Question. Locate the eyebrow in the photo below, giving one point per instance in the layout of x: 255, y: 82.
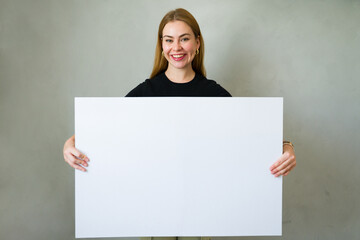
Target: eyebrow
x: 180, y: 35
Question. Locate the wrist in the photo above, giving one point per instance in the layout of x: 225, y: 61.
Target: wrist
x: 288, y: 143
x: 70, y: 141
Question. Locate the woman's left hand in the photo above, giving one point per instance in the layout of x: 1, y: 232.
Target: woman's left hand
x: 285, y: 163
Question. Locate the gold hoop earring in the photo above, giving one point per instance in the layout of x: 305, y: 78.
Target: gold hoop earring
x: 197, y: 51
x: 162, y: 53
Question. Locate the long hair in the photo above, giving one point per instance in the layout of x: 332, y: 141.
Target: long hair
x: 160, y: 62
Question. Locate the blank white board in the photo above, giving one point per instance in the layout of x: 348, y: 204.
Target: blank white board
x: 178, y: 166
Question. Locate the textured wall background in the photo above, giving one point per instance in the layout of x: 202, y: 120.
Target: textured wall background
x: 306, y: 51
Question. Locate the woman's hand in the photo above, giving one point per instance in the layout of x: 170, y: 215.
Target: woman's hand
x: 73, y: 156
x: 285, y: 163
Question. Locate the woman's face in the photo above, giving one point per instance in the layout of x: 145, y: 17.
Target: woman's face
x: 179, y: 44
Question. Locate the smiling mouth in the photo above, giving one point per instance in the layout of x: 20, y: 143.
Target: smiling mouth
x: 178, y: 57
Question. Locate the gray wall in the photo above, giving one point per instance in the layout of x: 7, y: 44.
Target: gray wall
x: 306, y: 51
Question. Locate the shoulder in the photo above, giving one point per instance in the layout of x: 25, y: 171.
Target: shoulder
x: 137, y: 91
x: 147, y: 88
x: 211, y: 87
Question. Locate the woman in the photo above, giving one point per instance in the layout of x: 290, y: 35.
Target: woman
x: 179, y: 71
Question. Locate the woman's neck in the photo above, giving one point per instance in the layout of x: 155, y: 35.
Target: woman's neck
x: 180, y: 75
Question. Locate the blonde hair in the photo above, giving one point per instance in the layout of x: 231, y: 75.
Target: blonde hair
x: 160, y: 62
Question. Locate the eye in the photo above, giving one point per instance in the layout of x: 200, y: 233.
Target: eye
x: 168, y: 40
x: 185, y: 39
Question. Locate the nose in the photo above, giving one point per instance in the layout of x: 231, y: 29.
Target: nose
x: 177, y: 45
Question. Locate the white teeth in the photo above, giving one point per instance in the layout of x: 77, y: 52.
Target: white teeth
x: 178, y: 56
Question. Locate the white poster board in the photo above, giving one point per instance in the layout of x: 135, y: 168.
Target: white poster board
x: 178, y: 166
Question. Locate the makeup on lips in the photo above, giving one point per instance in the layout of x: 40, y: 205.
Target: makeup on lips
x: 178, y: 57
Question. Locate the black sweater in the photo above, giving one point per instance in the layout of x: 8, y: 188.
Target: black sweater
x: 161, y: 86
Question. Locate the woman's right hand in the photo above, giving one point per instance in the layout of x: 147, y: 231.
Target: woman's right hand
x: 74, y: 157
